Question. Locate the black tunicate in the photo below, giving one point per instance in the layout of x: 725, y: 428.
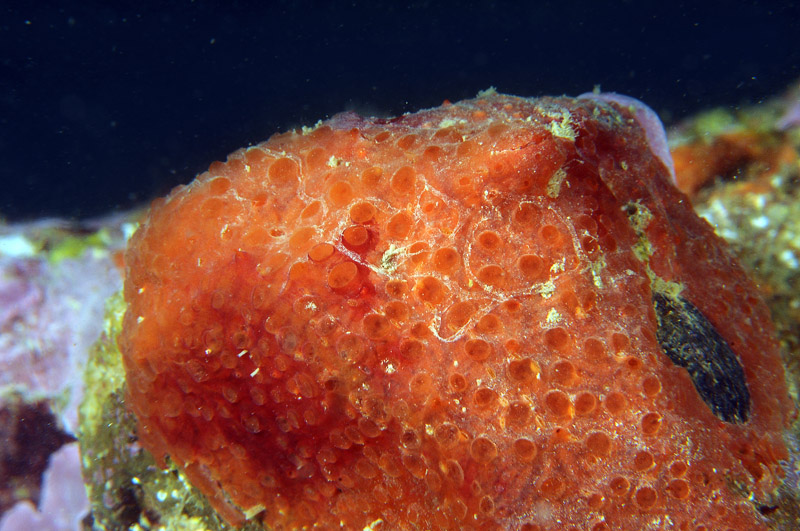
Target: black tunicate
x: 691, y: 341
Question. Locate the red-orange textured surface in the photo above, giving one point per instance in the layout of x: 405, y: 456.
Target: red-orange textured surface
x: 445, y: 321
x: 700, y: 162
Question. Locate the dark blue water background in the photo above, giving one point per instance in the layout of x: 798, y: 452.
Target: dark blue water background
x: 104, y: 107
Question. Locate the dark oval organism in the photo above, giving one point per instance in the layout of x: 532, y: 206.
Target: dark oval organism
x: 691, y: 341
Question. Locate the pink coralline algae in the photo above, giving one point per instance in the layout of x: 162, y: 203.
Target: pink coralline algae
x: 54, y: 282
x: 63, y: 504
x: 50, y: 314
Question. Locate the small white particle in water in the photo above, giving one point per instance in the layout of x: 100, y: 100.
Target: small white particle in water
x: 17, y: 246
x: 761, y: 222
x: 790, y: 259
x: 252, y: 374
x: 161, y: 495
x: 128, y: 229
x: 242, y: 353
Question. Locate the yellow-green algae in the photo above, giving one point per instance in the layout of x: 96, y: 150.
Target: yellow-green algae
x: 59, y: 240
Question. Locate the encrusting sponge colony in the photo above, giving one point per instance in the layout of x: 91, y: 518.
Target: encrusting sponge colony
x: 495, y: 314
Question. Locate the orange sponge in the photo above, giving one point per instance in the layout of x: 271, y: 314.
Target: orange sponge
x: 496, y: 314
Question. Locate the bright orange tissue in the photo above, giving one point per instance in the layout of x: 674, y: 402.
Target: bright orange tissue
x: 496, y: 314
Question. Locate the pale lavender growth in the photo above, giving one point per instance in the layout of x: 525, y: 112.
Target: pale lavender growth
x: 63, y: 503
x: 64, y: 496
x: 50, y: 314
x: 18, y: 295
x: 24, y: 517
x: 647, y: 119
x: 790, y: 118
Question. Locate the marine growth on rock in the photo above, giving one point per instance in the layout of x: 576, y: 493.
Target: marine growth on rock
x: 495, y: 314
